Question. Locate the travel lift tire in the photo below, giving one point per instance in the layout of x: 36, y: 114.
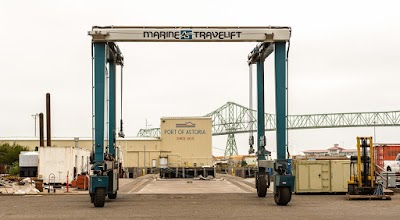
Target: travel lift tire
x: 282, y: 195
x: 112, y: 195
x: 99, y: 197
x: 261, y: 185
x: 91, y: 197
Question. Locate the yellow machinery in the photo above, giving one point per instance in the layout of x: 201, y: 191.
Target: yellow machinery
x: 362, y: 173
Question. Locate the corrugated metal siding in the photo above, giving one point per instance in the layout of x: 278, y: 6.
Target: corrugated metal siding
x: 386, y: 152
x: 390, y: 152
x: 379, y: 156
x: 134, y: 152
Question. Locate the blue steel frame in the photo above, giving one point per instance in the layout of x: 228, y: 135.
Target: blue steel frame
x: 100, y: 62
x: 102, y: 51
x: 280, y: 102
x: 260, y: 110
x: 103, y: 55
x: 285, y: 179
x: 280, y: 99
x: 111, y: 100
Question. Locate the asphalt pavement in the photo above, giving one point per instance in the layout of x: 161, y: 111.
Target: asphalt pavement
x: 148, y: 198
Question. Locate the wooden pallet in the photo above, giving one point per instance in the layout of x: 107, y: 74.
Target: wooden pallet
x: 368, y: 197
x: 388, y: 192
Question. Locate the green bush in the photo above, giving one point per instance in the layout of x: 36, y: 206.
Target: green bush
x: 9, y: 155
x: 14, y: 169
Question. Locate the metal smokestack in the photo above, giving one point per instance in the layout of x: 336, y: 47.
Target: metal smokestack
x: 41, y: 130
x: 48, y: 120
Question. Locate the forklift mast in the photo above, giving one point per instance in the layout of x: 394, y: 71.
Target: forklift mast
x: 362, y: 178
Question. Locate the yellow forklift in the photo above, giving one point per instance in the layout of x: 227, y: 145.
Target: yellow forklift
x: 362, y: 178
x: 362, y: 183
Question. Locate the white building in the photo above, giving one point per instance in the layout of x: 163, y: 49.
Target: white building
x: 333, y: 151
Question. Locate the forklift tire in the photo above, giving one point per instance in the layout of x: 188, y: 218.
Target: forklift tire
x: 112, y: 195
x: 99, y: 197
x: 282, y: 195
x: 351, y: 189
x: 261, y: 185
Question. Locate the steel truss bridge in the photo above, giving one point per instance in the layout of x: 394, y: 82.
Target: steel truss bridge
x: 233, y: 118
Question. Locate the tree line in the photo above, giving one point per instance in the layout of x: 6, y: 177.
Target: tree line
x: 9, y: 156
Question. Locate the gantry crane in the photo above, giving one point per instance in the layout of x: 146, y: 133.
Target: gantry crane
x: 104, y: 181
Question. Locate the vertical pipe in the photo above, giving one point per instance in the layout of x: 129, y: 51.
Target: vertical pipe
x: 99, y: 95
x: 251, y: 96
x: 111, y: 104
x: 280, y: 99
x: 260, y: 109
x: 35, y: 116
x: 48, y: 120
x: 41, y: 130
x: 35, y: 124
x: 76, y: 140
x: 372, y: 161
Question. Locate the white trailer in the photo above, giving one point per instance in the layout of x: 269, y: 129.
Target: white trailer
x: 251, y: 161
x: 55, y: 163
x: 28, y: 159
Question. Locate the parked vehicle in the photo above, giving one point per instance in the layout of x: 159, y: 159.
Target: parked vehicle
x: 393, y: 165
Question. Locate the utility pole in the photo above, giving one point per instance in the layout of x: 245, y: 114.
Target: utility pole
x: 35, y: 116
x: 374, y: 133
x: 147, y: 124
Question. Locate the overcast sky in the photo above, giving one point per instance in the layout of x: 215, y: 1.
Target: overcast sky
x: 344, y: 57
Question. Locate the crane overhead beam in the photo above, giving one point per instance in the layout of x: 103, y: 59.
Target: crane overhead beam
x: 189, y: 34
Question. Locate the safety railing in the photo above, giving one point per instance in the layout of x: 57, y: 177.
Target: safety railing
x: 383, y: 176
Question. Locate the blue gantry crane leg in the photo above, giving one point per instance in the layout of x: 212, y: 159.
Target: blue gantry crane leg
x: 104, y: 181
x: 283, y: 180
x: 262, y: 175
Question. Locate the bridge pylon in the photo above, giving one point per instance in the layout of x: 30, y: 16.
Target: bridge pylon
x: 231, y: 147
